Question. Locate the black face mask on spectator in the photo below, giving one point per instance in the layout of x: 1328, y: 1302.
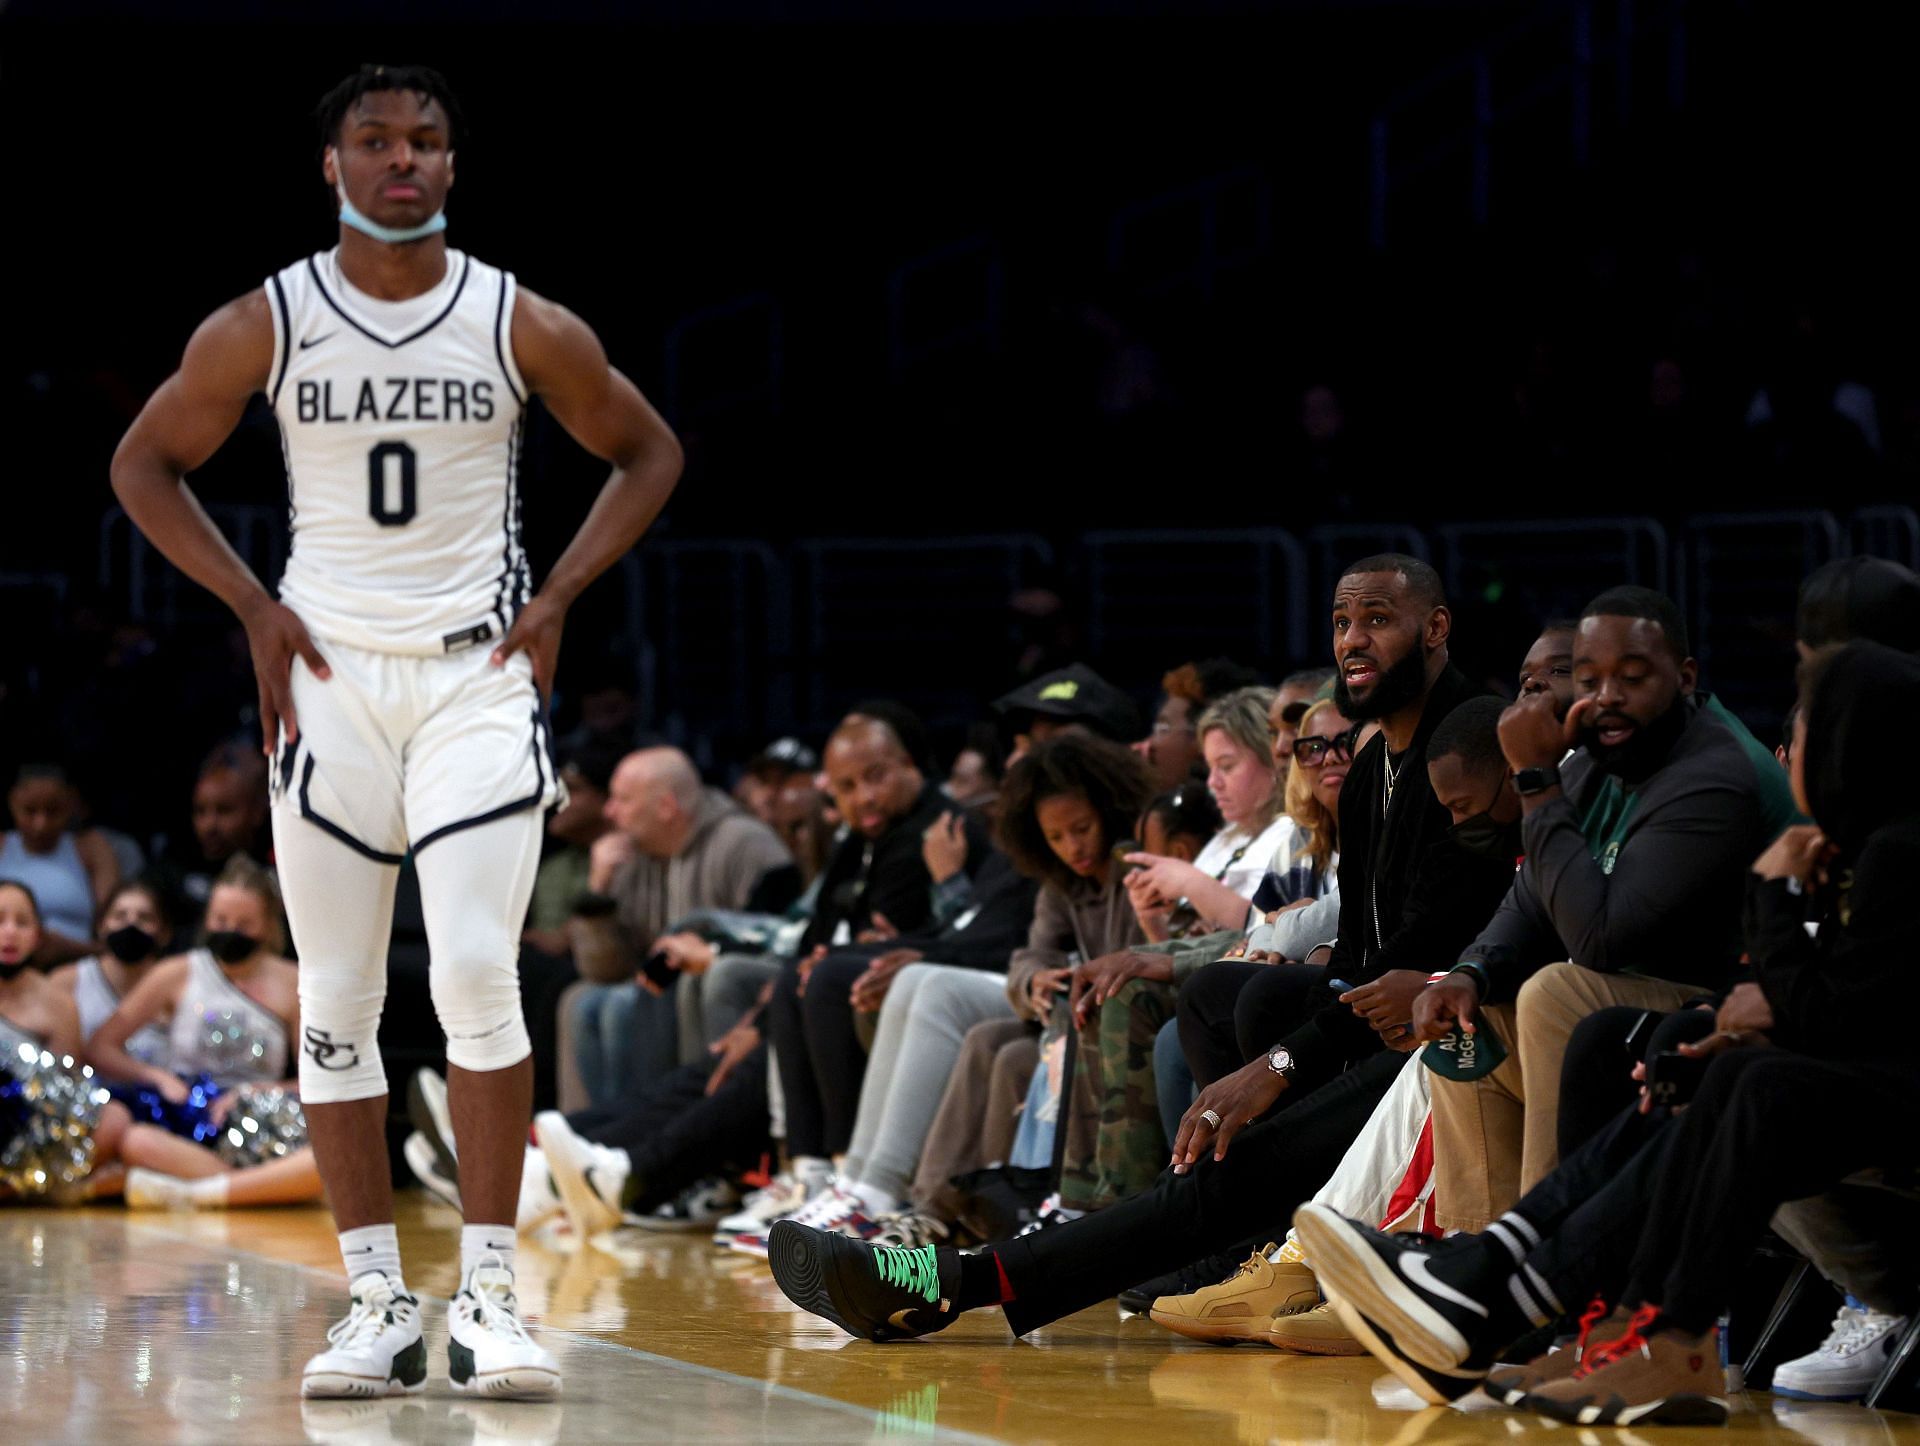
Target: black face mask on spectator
x: 1642, y: 754
x: 1484, y: 834
x: 230, y: 946
x: 131, y: 944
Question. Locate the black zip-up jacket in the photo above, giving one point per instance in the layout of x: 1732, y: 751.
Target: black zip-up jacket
x: 887, y: 875
x: 1410, y: 897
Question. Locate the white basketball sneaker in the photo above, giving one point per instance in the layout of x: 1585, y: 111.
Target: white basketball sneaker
x: 489, y: 1352
x: 375, y: 1351
x: 590, y: 1179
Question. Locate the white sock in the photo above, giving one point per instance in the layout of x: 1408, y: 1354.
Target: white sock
x: 873, y: 1200
x: 209, y: 1192
x: 812, y: 1170
x: 479, y: 1240
x: 371, y: 1247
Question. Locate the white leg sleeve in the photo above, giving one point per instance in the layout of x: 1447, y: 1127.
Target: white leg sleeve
x: 475, y: 884
x: 340, y: 911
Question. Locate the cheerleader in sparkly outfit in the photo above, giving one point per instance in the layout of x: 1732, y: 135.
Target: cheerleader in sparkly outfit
x: 135, y: 926
x: 56, y: 1124
x: 217, y: 1119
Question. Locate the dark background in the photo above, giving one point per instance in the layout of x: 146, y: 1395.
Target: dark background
x: 1033, y: 274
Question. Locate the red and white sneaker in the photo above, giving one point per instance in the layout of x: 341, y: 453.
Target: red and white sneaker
x: 781, y: 1198
x: 836, y: 1211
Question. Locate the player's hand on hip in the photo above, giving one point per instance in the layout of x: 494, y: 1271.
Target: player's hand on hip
x: 536, y: 632
x: 275, y: 636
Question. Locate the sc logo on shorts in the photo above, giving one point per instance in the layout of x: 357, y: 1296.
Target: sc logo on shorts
x: 323, y: 1051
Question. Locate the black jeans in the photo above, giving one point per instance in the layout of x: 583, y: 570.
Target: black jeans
x: 1230, y: 1011
x: 1268, y: 1171
x: 1674, y: 1206
x: 677, y: 1134
x: 821, y: 1059
x: 1596, y: 1078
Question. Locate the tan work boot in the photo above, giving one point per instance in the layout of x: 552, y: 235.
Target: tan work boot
x: 1241, y: 1307
x: 1666, y: 1378
x: 1316, y: 1332
x: 1598, y: 1326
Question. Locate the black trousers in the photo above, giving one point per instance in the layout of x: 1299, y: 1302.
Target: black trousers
x: 1268, y: 1172
x: 677, y: 1134
x: 822, y: 1062
x: 1231, y: 1011
x: 1596, y: 1078
x: 1665, y: 1210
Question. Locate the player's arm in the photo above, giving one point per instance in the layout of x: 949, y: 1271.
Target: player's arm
x: 564, y: 365
x: 183, y: 424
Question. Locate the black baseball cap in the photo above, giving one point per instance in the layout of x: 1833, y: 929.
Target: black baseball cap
x: 1076, y: 694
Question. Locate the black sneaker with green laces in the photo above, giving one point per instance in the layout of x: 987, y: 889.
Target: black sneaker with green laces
x: 868, y: 1291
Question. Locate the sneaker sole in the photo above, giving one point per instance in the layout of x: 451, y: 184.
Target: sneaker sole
x: 428, y: 1113
x: 1401, y: 1367
x: 586, y: 1212
x: 337, y: 1386
x: 515, y: 1383
x: 1349, y: 1270
x: 1681, y: 1410
x: 1214, y: 1333
x: 669, y: 1227
x: 1311, y: 1345
x: 800, y: 1269
x: 1844, y: 1397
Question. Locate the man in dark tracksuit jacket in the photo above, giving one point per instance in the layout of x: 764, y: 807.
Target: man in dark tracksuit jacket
x: 1637, y: 855
x: 878, y: 872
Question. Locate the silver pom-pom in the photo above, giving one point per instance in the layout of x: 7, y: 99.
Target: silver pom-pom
x: 265, y: 1123
x: 54, y: 1105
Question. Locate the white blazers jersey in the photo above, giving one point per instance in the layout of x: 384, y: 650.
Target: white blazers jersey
x: 401, y: 423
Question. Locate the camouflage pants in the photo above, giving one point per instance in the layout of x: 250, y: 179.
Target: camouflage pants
x: 1116, y: 1146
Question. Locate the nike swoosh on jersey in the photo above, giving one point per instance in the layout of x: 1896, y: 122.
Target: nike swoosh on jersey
x: 1416, y: 1269
x: 307, y: 342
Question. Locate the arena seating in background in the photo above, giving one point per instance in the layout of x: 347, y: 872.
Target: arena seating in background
x: 741, y: 639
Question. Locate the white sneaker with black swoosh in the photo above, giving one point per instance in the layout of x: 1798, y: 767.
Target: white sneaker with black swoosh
x: 1445, y: 1303
x: 590, y: 1179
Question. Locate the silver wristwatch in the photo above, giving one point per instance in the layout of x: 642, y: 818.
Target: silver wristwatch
x: 1280, y: 1061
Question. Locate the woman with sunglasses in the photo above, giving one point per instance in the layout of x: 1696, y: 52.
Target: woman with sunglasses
x: 1224, y: 1007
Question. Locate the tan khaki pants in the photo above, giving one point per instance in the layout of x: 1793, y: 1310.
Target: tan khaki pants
x: 1495, y: 1138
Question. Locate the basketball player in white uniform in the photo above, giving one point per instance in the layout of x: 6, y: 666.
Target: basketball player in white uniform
x: 403, y: 671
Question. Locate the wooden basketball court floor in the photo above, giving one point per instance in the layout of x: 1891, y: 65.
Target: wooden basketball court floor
x: 146, y: 1329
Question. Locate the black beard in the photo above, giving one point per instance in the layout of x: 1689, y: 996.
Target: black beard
x: 1642, y: 755
x: 1398, y: 686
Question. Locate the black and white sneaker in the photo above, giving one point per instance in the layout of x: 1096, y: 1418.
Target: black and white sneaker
x: 376, y: 1351
x: 424, y: 1161
x: 868, y: 1291
x: 591, y: 1180
x: 698, y: 1207
x: 1444, y: 1303
x: 489, y: 1352
x: 1436, y: 1388
x: 429, y: 1113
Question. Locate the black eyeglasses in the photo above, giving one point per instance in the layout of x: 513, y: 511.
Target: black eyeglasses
x: 1312, y: 752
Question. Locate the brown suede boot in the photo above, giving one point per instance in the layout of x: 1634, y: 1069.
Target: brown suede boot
x: 1597, y: 1326
x: 1664, y: 1378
